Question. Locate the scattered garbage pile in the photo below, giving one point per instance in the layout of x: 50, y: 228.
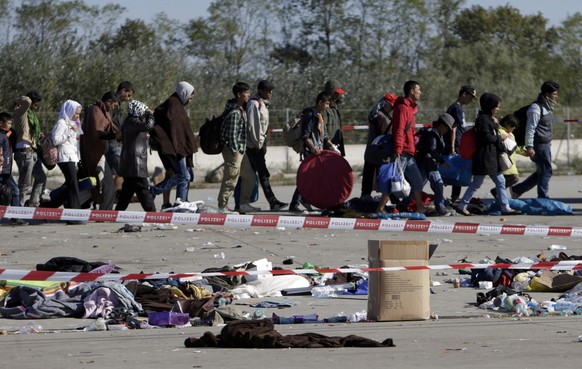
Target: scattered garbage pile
x: 150, y: 303
x: 509, y: 289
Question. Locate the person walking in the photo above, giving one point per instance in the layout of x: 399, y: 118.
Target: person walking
x: 254, y: 163
x: 65, y: 137
x: 134, y: 156
x: 98, y: 128
x: 175, y: 141
x: 234, y: 137
x: 467, y: 94
x: 489, y: 144
x: 538, y: 141
x: 332, y: 116
x: 31, y: 175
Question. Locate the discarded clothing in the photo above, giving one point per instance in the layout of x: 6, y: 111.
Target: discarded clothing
x: 262, y: 334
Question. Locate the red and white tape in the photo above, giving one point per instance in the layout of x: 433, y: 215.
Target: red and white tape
x: 257, y: 220
x: 32, y: 275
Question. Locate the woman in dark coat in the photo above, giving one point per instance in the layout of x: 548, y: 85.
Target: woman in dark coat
x: 133, y: 165
x: 486, y: 159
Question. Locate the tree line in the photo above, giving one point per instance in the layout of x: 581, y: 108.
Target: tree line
x: 68, y: 49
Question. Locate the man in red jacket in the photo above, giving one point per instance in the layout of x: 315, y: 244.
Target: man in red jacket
x: 403, y: 130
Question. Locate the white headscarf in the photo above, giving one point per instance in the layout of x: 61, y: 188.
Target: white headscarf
x: 184, y: 91
x: 68, y: 109
x: 136, y: 108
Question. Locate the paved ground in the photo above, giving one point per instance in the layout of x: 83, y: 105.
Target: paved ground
x: 463, y: 336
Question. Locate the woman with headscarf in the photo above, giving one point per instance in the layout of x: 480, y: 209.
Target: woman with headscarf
x: 65, y: 136
x: 486, y: 159
x: 133, y: 166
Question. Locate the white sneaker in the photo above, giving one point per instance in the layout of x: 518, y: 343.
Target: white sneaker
x: 248, y: 208
x: 226, y: 211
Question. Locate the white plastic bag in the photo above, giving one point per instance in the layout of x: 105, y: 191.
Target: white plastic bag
x: 399, y: 186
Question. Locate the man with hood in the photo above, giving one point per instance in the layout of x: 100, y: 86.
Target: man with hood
x: 175, y: 141
x: 234, y: 137
x: 332, y: 117
x: 538, y: 141
x: 98, y: 127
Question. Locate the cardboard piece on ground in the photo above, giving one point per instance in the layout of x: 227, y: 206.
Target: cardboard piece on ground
x: 558, y: 282
x: 401, y: 295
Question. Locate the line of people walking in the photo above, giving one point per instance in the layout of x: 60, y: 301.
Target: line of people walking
x: 113, y: 148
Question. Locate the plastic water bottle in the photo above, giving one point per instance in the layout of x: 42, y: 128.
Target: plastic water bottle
x: 98, y: 325
x: 30, y: 327
x: 324, y: 292
x: 358, y: 316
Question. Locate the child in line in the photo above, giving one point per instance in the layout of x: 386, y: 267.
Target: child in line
x: 506, y: 126
x: 430, y: 155
x: 6, y: 137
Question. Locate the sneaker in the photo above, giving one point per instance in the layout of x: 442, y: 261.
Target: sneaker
x: 511, y: 212
x: 17, y: 222
x: 295, y: 209
x: 462, y: 211
x: 307, y: 206
x: 166, y: 206
x: 278, y: 205
x: 226, y: 211
x: 514, y: 195
x: 248, y: 208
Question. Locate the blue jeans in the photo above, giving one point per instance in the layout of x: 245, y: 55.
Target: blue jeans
x: 541, y: 177
x: 412, y: 175
x: 8, y: 180
x: 477, y: 181
x: 180, y: 179
x: 437, y: 187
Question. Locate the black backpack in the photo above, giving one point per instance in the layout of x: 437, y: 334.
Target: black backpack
x: 521, y: 116
x: 210, y: 133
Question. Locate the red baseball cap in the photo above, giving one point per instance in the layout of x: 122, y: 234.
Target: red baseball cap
x: 390, y: 98
x: 340, y: 91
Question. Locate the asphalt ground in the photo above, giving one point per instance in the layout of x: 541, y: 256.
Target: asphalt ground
x: 462, y: 336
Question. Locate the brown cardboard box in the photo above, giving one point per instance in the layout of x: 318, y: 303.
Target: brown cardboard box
x: 400, y: 295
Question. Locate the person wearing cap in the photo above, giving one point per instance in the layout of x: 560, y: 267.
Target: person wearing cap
x: 379, y: 123
x: 429, y: 156
x: 467, y: 94
x: 332, y: 116
x: 489, y: 144
x: 254, y: 162
x: 134, y: 156
x: 98, y: 127
x: 175, y: 141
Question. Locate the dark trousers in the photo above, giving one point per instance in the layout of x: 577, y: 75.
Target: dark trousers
x: 69, y: 170
x: 259, y: 164
x: 139, y: 186
x: 368, y: 178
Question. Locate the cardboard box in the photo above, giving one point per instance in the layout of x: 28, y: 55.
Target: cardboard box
x: 401, y: 295
x: 163, y: 319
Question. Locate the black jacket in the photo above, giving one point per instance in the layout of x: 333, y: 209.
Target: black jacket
x: 134, y: 154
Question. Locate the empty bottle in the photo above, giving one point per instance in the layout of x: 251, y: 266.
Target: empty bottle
x: 30, y: 327
x: 358, y: 316
x: 327, y: 291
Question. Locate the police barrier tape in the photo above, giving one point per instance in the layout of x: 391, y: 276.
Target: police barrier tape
x: 257, y: 220
x: 32, y: 275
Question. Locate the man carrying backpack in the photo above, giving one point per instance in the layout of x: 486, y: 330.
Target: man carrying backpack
x: 538, y: 141
x: 234, y: 137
